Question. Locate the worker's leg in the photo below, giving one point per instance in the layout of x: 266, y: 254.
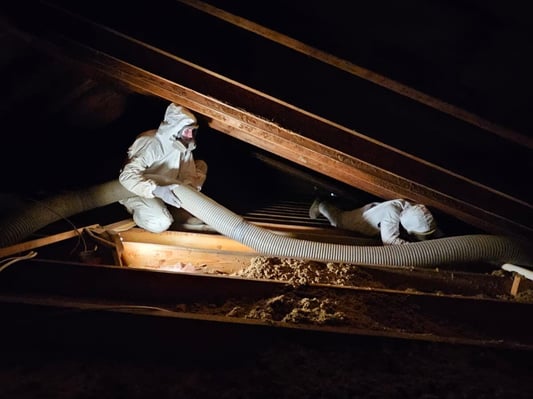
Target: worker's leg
x: 330, y: 212
x: 149, y: 213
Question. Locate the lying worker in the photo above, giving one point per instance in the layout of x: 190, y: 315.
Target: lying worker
x: 388, y: 219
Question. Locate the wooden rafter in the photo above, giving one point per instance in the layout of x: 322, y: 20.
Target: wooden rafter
x: 299, y: 136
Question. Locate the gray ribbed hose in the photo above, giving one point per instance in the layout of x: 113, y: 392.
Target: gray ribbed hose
x: 460, y: 249
x: 34, y: 215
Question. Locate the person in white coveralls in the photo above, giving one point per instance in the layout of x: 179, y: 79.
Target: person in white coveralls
x: 390, y: 220
x: 158, y: 161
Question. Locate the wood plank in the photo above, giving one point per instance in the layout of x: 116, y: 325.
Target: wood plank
x: 363, y: 73
x: 171, y: 258
x: 41, y: 242
x: 304, y: 138
x: 220, y: 242
x: 185, y: 239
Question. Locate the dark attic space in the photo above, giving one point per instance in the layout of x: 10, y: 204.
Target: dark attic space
x: 251, y: 292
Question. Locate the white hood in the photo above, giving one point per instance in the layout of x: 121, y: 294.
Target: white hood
x: 418, y: 219
x: 176, y: 118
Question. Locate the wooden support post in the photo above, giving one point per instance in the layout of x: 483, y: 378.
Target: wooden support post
x: 516, y: 284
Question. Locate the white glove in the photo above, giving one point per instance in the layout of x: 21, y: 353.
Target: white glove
x: 167, y: 195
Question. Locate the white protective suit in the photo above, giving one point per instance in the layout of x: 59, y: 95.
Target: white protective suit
x: 384, y: 219
x: 158, y: 158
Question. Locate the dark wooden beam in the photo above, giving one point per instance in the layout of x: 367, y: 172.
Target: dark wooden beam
x: 269, y: 123
x: 363, y: 73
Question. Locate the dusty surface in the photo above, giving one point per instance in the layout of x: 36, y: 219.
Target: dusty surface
x: 256, y: 368
x: 271, y: 366
x: 304, y: 272
x: 308, y: 304
x: 301, y: 272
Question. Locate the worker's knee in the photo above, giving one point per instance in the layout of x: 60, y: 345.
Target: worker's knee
x: 330, y: 212
x: 153, y: 223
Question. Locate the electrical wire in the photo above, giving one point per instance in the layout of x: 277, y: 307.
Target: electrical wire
x: 14, y: 259
x: 80, y: 235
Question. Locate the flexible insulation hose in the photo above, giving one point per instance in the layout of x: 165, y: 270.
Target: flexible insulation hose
x: 460, y: 249
x: 35, y: 215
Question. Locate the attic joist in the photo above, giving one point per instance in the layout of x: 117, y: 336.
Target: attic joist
x: 199, y: 302
x: 308, y: 139
x: 364, y: 73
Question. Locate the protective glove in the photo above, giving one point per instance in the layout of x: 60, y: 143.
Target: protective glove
x: 166, y: 194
